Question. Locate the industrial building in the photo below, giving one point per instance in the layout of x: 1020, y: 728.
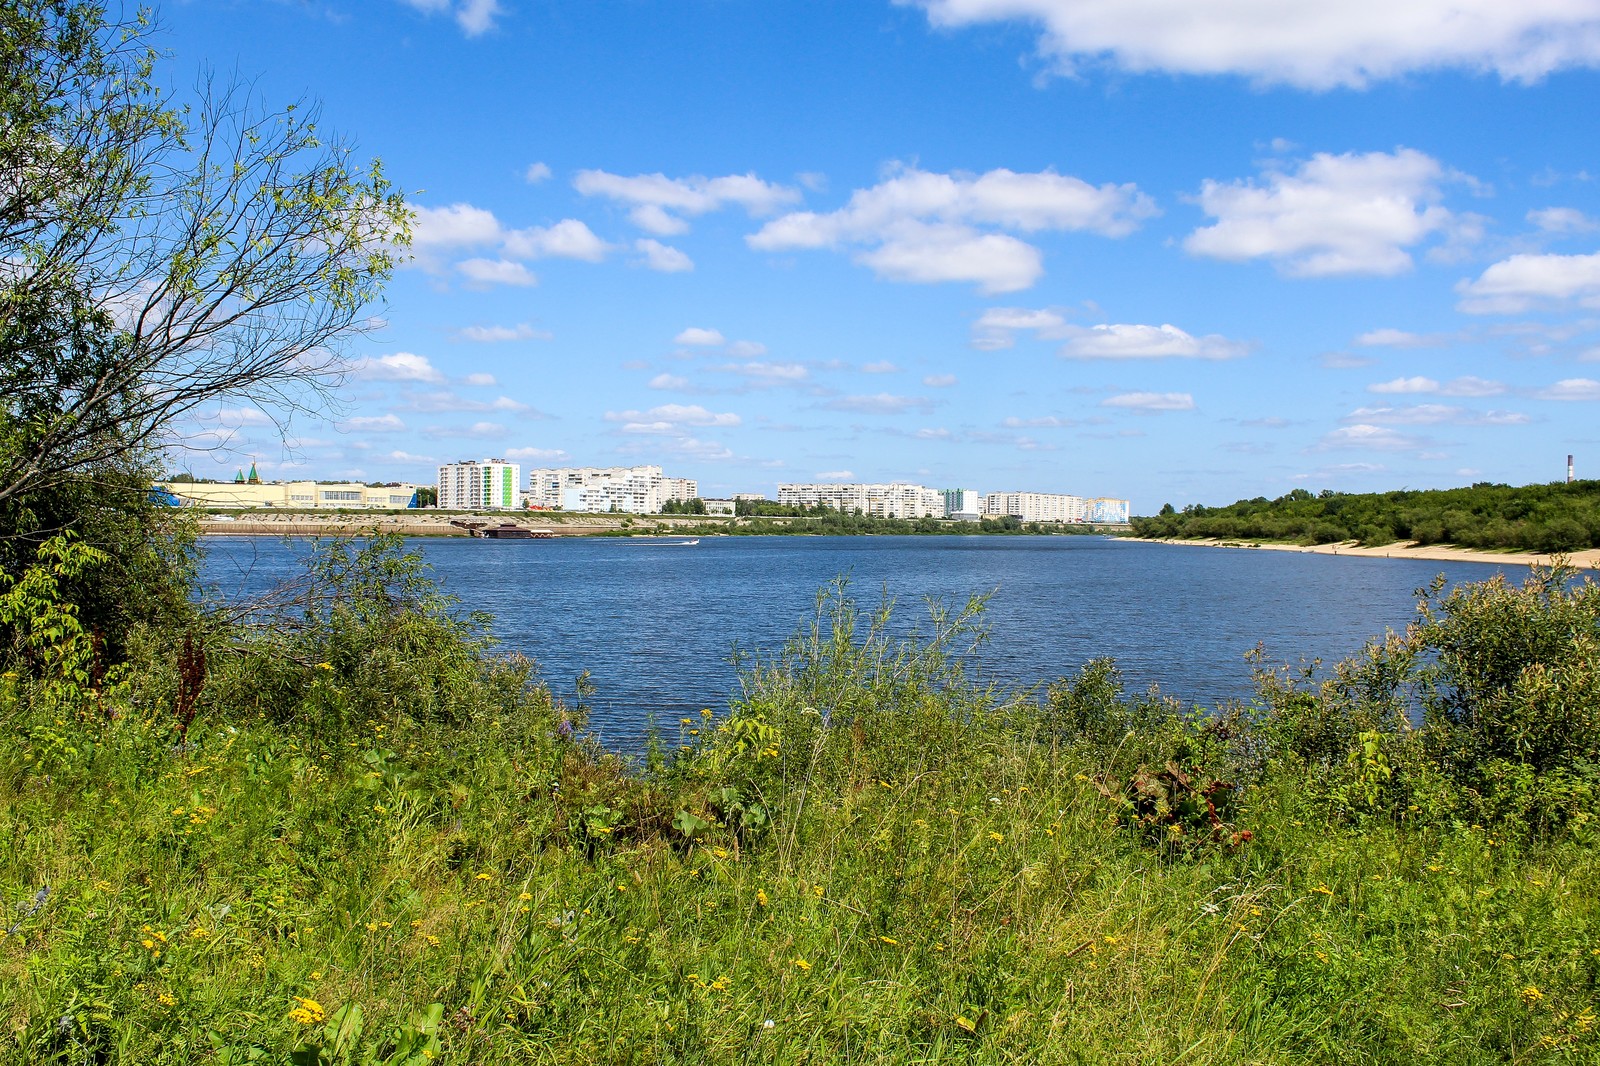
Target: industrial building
x: 290, y: 495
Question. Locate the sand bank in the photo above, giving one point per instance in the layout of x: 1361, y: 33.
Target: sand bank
x: 1589, y: 560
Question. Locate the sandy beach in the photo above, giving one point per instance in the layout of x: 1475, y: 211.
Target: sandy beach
x: 1587, y: 560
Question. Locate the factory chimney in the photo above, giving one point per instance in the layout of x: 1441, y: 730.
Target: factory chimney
x: 1569, y: 470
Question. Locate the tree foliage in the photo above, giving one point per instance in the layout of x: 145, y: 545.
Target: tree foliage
x: 1549, y: 518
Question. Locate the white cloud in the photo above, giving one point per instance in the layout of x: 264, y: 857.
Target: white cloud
x: 1399, y: 338
x: 522, y: 331
x: 670, y: 417
x: 1563, y: 220
x: 1365, y: 435
x: 536, y: 453
x: 480, y: 380
x: 768, y: 373
x: 1571, y: 389
x: 1337, y: 214
x: 1146, y: 342
x: 235, y: 417
x: 836, y: 475
x: 1151, y: 401
x: 1433, y: 414
x: 660, y: 203
x: 506, y: 403
x: 662, y: 257
x: 1312, y: 46
x: 700, y: 338
x: 1462, y: 386
x: 882, y: 404
x: 477, y: 16
x: 920, y: 226
x: 998, y: 326
x: 882, y: 366
x: 487, y: 272
x: 401, y: 366
x: 536, y: 173
x: 374, y: 424
x: 1525, y: 281
x: 747, y: 349
x: 668, y: 381
x: 939, y: 381
x: 398, y: 456
x: 1046, y: 422
x: 456, y: 226
x: 567, y: 239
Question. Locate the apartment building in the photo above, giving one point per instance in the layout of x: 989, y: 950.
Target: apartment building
x: 632, y: 489
x: 1034, y: 506
x: 962, y: 505
x: 291, y: 495
x: 897, y: 499
x: 480, y: 485
x: 1107, y: 510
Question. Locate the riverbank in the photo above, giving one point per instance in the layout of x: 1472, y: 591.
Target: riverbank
x: 430, y: 524
x: 1589, y: 560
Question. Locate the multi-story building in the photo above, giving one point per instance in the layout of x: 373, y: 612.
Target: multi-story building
x: 291, y: 495
x: 480, y: 485
x: 963, y: 505
x: 633, y: 489
x: 897, y: 499
x: 1034, y: 506
x: 1106, y: 510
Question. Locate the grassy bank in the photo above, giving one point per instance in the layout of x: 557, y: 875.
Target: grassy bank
x: 353, y: 833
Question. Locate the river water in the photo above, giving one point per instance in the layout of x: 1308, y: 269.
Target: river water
x: 655, y: 622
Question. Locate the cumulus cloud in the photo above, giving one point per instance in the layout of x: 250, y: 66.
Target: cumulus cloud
x: 1151, y: 401
x: 881, y: 404
x: 1045, y: 422
x: 1563, y: 220
x: 522, y: 331
x: 1571, y: 389
x: 1146, y: 342
x: 401, y: 366
x: 486, y: 272
x: 939, y: 381
x: 536, y: 173
x: 374, y: 424
x: 1336, y: 214
x: 1523, y: 282
x: 919, y: 226
x: 747, y: 349
x: 1311, y: 46
x: 1462, y: 386
x: 660, y: 204
x: 567, y: 239
x: 699, y: 337
x: 455, y: 226
x: 662, y: 257
x: 882, y: 366
x: 1365, y: 435
x: 836, y: 475
x: 668, y: 381
x: 671, y: 418
x: 1433, y: 414
x: 536, y: 454
x: 480, y: 380
x: 998, y: 327
x: 761, y: 373
x: 1399, y: 338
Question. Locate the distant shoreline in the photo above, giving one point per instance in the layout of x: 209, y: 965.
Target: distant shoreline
x: 1589, y: 559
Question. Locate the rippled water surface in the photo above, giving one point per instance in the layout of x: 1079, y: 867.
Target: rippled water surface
x: 655, y: 623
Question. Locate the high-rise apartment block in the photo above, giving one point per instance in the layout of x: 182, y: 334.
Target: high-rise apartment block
x: 480, y: 485
x: 895, y: 500
x: 1034, y: 506
x: 632, y: 489
x: 963, y: 505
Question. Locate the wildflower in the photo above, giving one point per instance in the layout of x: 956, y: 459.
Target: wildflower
x: 432, y: 940
x: 998, y: 838
x: 167, y: 999
x: 484, y: 877
x: 801, y: 964
x: 1324, y: 889
x: 324, y: 666
x: 891, y: 941
x: 817, y: 890
x: 1322, y: 956
x: 705, y: 712
x: 525, y: 896
x: 1531, y: 995
x: 719, y: 853
x: 761, y: 897
x: 372, y: 927
x: 308, y: 1012
x: 686, y: 721
x: 148, y: 944
x: 768, y: 1024
x: 199, y: 933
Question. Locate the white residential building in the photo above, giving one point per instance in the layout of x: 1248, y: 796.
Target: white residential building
x: 480, y: 485
x: 633, y: 489
x: 1107, y: 510
x: 898, y: 499
x: 1034, y: 506
x: 963, y: 505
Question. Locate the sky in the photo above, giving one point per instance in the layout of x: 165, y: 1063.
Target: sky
x: 1175, y: 251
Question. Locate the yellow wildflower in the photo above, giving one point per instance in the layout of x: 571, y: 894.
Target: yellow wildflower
x: 1531, y: 995
x: 998, y: 838
x: 891, y: 941
x: 324, y: 666
x: 308, y: 1011
x: 1324, y: 889
x: 801, y: 964
x: 525, y: 896
x: 761, y: 897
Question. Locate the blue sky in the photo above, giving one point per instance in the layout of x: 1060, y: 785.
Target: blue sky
x: 1170, y: 250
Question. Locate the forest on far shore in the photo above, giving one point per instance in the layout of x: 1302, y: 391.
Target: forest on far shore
x: 1554, y: 517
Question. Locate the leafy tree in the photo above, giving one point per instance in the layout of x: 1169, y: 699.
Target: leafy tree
x: 161, y: 256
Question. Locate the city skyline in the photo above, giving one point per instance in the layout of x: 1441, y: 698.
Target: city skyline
x: 1041, y: 244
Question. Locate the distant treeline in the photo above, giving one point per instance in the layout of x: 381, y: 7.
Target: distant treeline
x: 828, y: 522
x: 1555, y: 517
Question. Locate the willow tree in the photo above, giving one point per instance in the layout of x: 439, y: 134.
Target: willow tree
x: 160, y: 253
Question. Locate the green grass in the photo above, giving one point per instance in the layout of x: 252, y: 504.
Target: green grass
x: 871, y: 858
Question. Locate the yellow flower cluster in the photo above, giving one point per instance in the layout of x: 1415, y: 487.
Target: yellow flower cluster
x: 307, y: 1011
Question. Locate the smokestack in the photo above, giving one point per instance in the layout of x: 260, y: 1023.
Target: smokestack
x: 1569, y: 470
